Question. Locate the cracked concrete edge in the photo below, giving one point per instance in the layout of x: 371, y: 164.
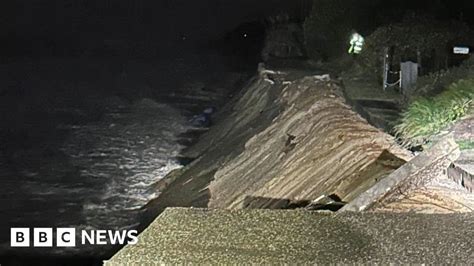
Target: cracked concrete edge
x: 446, y: 147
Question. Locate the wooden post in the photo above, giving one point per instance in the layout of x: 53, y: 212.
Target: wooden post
x: 386, y: 68
x: 419, y: 61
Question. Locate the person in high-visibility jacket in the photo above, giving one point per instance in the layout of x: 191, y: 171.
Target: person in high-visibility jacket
x: 356, y: 43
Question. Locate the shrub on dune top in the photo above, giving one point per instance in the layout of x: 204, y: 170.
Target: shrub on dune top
x: 426, y: 117
x: 466, y: 144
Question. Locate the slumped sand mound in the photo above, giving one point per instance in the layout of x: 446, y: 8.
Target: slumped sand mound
x: 315, y: 146
x: 286, y: 140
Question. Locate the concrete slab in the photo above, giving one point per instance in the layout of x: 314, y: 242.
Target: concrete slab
x: 466, y: 161
x: 417, y: 173
x: 199, y: 236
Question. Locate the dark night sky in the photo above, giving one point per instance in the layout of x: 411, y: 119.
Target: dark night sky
x: 164, y: 21
x: 81, y: 23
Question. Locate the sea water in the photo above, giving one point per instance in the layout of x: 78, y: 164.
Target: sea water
x: 98, y: 176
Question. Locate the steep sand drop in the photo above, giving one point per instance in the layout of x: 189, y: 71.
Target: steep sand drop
x: 316, y: 146
x: 288, y: 138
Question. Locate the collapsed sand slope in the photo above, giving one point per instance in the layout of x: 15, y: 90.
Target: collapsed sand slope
x: 247, y: 114
x: 316, y: 145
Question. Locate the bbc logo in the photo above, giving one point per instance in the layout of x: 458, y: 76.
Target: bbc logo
x: 42, y: 237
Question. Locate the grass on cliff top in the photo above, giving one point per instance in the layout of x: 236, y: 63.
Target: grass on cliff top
x: 466, y: 144
x: 426, y: 117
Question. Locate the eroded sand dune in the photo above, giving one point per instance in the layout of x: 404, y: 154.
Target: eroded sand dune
x: 315, y: 146
x: 288, y: 138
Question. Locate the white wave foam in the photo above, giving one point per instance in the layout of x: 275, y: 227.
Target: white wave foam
x: 127, y: 158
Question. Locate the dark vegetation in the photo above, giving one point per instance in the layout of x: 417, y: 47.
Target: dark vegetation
x: 418, y: 31
x: 330, y: 22
x: 422, y: 39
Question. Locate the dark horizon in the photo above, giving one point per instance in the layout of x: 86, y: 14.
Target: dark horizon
x: 75, y: 25
x: 68, y: 27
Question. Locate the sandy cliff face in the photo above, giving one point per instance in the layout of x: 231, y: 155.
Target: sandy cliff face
x: 287, y: 139
x: 316, y: 145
